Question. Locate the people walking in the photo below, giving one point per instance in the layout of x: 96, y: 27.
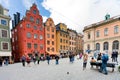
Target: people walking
x: 105, y: 58
x: 116, y: 56
x: 28, y: 61
x: 99, y: 56
x: 6, y: 61
x: 34, y: 60
x: 113, y: 56
x: 57, y: 59
x: 48, y: 58
x: 38, y: 59
x: 23, y: 59
x: 85, y: 58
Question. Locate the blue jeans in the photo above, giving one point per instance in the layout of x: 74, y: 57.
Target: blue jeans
x: 103, y: 68
x: 57, y: 62
x: 48, y: 61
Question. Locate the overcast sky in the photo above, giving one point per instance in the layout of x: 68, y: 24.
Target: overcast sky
x: 76, y: 14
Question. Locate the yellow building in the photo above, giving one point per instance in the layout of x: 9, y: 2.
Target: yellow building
x: 62, y: 37
x: 50, y: 37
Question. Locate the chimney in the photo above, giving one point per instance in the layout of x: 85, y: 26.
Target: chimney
x: 15, y: 22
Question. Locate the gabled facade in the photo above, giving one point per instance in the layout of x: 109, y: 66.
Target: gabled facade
x: 62, y: 39
x: 28, y: 35
x: 72, y: 40
x: 5, y: 42
x: 50, y: 37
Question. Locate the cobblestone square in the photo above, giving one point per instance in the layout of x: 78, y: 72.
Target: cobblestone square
x: 43, y: 71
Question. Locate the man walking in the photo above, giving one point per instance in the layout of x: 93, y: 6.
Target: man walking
x: 104, y: 63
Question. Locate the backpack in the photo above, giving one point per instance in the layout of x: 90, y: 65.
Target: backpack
x: 106, y: 58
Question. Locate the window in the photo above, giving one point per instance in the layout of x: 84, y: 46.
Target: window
x: 5, y: 46
x: 48, y: 29
x: 35, y: 46
x: 116, y: 29
x: 41, y: 28
x: 37, y: 21
x: 106, y: 31
x: 97, y: 34
x: 48, y: 35
x: 48, y: 42
x: 52, y: 36
x: 41, y: 37
x: 3, y: 22
x: 105, y: 46
x: 35, y: 36
x: 31, y: 18
x: 52, y: 49
x: 4, y: 33
x: 48, y: 49
x: 115, y: 45
x: 28, y: 35
x: 60, y: 46
x: 28, y: 25
x: 41, y: 47
x: 34, y: 11
x: 29, y: 45
x: 52, y: 42
x: 88, y: 47
x: 61, y: 40
x: 88, y: 35
x: 52, y: 30
x: 35, y: 27
x: 97, y: 46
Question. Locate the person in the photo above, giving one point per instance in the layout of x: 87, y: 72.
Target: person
x: 116, y: 56
x: 38, y: 59
x: 80, y: 55
x: 1, y: 61
x: 48, y: 58
x: 6, y: 61
x: 99, y: 56
x: 28, y: 61
x: 70, y: 57
x: 85, y: 58
x: 57, y: 59
x: 113, y: 56
x: 105, y: 58
x: 92, y: 61
x: 34, y: 59
x: 23, y: 59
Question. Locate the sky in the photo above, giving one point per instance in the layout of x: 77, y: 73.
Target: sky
x: 76, y: 14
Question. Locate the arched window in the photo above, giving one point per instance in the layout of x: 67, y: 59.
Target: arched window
x: 106, y: 45
x: 97, y: 46
x: 88, y: 47
x: 88, y: 35
x: 115, y: 44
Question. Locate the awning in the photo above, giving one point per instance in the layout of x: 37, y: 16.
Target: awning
x: 5, y: 53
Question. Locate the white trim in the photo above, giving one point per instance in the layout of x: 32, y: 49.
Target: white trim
x: 2, y: 45
x: 5, y: 20
x: 1, y: 33
x: 5, y: 53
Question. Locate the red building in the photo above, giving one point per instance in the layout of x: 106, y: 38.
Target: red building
x: 28, y: 34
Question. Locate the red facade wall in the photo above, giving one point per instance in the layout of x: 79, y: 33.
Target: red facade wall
x: 20, y: 31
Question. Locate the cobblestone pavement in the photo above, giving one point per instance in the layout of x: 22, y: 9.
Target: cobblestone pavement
x: 56, y: 72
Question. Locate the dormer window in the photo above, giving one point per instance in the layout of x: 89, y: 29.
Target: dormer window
x: 34, y: 11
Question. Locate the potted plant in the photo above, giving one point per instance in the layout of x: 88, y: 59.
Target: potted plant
x: 119, y: 68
